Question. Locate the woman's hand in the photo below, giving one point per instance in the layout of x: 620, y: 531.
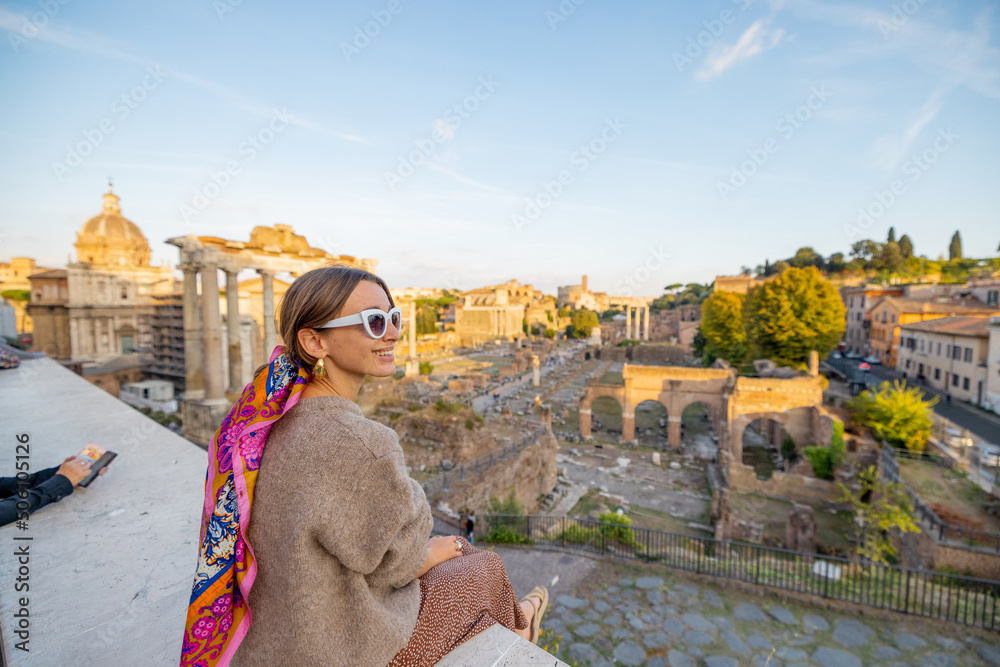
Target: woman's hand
x: 74, y: 469
x: 440, y: 549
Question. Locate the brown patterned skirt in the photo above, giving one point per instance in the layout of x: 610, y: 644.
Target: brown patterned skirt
x: 459, y: 599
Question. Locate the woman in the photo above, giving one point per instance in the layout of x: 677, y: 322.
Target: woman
x: 335, y: 557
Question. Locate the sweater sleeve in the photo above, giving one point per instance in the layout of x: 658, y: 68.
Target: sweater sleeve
x: 384, y: 524
x: 51, y: 490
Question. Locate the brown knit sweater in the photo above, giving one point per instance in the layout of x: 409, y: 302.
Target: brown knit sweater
x: 339, y: 531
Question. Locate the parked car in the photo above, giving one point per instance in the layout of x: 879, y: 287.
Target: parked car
x: 989, y: 455
x: 835, y: 355
x: 852, y: 355
x: 864, y: 367
x: 872, y: 359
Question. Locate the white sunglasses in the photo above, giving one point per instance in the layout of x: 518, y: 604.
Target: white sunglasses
x: 373, y: 319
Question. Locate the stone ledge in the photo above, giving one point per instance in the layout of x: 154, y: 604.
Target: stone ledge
x: 498, y: 647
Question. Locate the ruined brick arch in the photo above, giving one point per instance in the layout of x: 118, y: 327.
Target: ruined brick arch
x: 716, y: 410
x: 597, y: 391
x: 790, y: 420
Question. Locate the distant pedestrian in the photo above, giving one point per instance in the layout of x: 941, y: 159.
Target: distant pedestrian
x: 470, y: 528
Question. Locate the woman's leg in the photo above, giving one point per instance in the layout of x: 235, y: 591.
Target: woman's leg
x: 528, y: 608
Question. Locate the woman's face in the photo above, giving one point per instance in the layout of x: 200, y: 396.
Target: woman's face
x: 351, y: 348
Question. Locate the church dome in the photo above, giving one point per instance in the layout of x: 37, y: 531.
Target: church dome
x: 110, y: 239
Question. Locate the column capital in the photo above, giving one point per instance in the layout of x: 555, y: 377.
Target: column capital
x: 266, y: 272
x: 191, y: 267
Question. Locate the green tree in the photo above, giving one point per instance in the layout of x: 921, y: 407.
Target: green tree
x: 22, y: 295
x: 426, y: 367
x: 878, y: 508
x: 583, y: 321
x: 892, y: 257
x: 836, y: 263
x: 806, y: 257
x: 906, y: 246
x: 723, y: 329
x: 955, y: 247
x: 427, y: 319
x: 550, y: 333
x: 698, y: 344
x: 797, y: 312
x: 780, y: 267
x: 895, y: 413
x: 892, y: 235
x: 869, y: 252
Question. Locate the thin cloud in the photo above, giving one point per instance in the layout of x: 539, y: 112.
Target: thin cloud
x: 755, y: 40
x: 88, y: 42
x: 891, y: 149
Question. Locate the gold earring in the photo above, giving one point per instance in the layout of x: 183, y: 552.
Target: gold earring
x: 319, y: 370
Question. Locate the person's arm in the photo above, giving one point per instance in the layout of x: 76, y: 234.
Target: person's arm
x: 8, y: 485
x: 54, y: 489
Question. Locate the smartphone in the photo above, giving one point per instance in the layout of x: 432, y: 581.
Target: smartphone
x: 98, y: 465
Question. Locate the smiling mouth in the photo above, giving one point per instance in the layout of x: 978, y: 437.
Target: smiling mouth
x: 383, y: 353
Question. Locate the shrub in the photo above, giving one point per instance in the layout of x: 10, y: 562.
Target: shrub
x: 896, y: 414
x: 426, y: 367
x: 621, y: 530
x: 577, y: 534
x: 469, y: 424
x: 825, y: 459
x: 447, y: 406
x: 788, y: 448
x: 504, y: 535
x: 413, y: 407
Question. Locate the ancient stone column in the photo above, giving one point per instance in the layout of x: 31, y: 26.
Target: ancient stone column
x: 233, y: 326
x: 813, y: 363
x: 645, y: 335
x: 194, y: 385
x: 585, y: 422
x: 628, y: 413
x: 214, y: 379
x: 270, y: 334
x: 536, y: 372
x: 674, y: 430
x: 628, y: 321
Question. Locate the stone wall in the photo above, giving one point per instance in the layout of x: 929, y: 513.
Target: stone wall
x: 663, y: 355
x: 785, y: 486
x: 531, y: 474
x: 374, y: 391
x: 923, y: 552
x: 429, y: 437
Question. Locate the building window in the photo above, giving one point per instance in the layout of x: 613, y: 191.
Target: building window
x: 965, y: 384
x: 894, y: 318
x: 954, y: 380
x: 992, y: 297
x: 939, y: 349
x: 937, y: 373
x: 968, y: 355
x: 127, y: 343
x: 956, y: 353
x: 124, y: 292
x: 885, y: 315
x: 907, y: 363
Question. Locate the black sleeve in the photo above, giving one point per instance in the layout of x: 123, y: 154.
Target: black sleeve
x: 54, y: 489
x: 8, y: 485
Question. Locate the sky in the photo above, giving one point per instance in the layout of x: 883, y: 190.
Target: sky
x: 464, y: 144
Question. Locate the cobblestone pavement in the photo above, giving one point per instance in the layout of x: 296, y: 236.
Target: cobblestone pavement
x: 656, y: 617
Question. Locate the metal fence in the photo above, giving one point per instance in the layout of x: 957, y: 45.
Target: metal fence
x: 936, y: 527
x: 948, y: 597
x: 502, y: 453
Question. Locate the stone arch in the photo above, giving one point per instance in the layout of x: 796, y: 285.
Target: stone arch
x: 652, y: 413
x: 694, y: 428
x: 598, y: 391
x: 760, y: 443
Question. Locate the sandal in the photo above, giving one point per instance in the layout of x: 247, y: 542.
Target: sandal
x: 542, y: 594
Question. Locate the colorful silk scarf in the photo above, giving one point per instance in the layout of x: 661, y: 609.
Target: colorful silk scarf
x: 218, y: 616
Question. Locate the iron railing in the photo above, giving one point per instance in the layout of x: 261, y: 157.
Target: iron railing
x: 502, y: 453
x: 949, y: 597
x: 934, y: 525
